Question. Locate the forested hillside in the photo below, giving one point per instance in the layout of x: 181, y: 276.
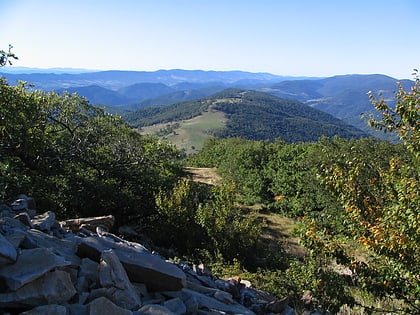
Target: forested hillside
x: 252, y: 115
x: 343, y: 96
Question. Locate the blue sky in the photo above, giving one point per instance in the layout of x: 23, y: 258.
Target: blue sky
x: 299, y: 37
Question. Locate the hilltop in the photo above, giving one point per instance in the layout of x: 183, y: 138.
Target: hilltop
x: 245, y: 114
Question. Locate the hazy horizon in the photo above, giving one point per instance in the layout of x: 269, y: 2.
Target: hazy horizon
x: 300, y: 38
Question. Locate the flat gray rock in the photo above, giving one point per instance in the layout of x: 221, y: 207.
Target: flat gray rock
x: 8, y: 252
x: 141, y: 266
x: 30, y: 265
x: 54, y: 287
x: 102, y: 305
x: 61, y: 247
x: 112, y: 275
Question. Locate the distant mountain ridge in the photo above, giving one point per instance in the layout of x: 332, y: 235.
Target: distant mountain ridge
x: 343, y: 96
x: 115, y: 79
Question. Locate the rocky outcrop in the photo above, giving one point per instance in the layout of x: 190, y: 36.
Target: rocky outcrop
x: 78, y: 267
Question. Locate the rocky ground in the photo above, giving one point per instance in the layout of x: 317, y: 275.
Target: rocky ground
x: 78, y: 267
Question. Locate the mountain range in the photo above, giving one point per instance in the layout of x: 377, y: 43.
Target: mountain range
x: 344, y: 96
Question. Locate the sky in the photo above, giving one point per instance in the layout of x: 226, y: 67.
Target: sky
x: 316, y: 38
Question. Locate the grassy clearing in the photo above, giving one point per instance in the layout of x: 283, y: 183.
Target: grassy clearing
x: 278, y: 231
x: 191, y: 134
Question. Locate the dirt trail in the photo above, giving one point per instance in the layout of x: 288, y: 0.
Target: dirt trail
x: 204, y: 175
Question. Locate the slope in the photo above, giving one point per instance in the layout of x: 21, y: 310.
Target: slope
x: 344, y: 97
x: 251, y: 115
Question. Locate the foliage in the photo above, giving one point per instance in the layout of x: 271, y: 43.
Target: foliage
x: 239, y: 161
x: 259, y: 116
x: 210, y: 216
x: 5, y: 56
x: 165, y: 114
x: 325, y: 288
x: 404, y: 119
x: 77, y: 160
x: 379, y: 187
x: 340, y: 190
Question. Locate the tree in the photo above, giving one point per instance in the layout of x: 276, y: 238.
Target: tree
x: 76, y: 159
x: 5, y: 56
x: 379, y: 187
x: 404, y: 119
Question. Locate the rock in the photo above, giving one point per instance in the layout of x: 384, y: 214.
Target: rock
x: 207, y: 302
x: 102, y: 306
x: 176, y: 306
x: 52, y: 309
x: 23, y: 203
x: 30, y: 265
x: 8, y: 252
x: 45, y: 221
x: 9, y: 226
x: 61, y: 247
x: 141, y: 266
x: 154, y: 309
x: 112, y: 274
x: 277, y: 306
x: 16, y: 238
x: 89, y: 271
x: 106, y: 222
x: 224, y: 297
x: 6, y: 211
x: 77, y: 309
x: 52, y: 288
x: 24, y: 218
x: 97, y: 272
x: 191, y: 304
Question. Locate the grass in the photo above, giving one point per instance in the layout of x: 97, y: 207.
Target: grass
x: 192, y: 133
x: 279, y: 230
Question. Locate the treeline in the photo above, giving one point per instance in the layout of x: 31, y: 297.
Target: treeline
x: 164, y: 114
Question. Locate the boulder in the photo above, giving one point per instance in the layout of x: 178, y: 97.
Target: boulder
x: 16, y: 238
x: 277, y: 306
x: 176, y: 306
x: 89, y: 270
x: 208, y: 302
x: 6, y: 211
x: 30, y: 265
x: 141, y: 266
x: 52, y: 309
x: 24, y: 218
x: 154, y: 309
x: 61, y: 247
x: 8, y: 252
x: 52, y: 288
x: 102, y: 306
x: 45, y: 221
x: 53, y: 271
x: 113, y: 275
